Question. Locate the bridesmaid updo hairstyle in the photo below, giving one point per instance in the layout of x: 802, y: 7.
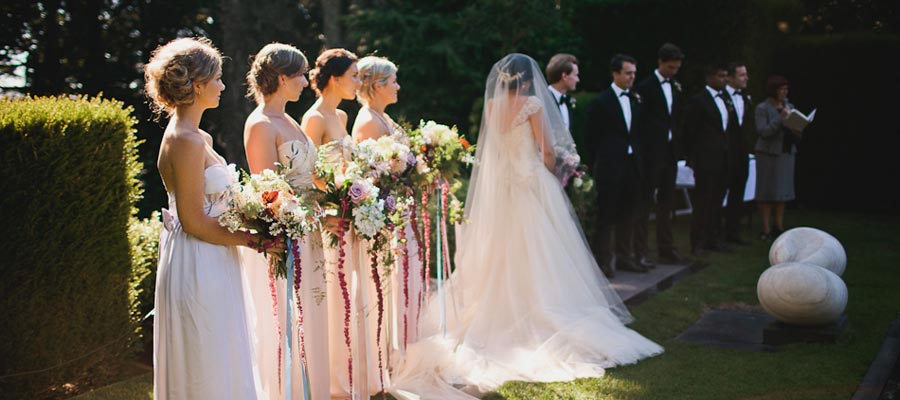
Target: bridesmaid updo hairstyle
x: 272, y: 61
x: 174, y: 68
x: 373, y: 72
x: 331, y: 63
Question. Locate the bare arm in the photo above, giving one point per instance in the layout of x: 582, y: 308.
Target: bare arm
x: 187, y: 159
x: 260, y: 146
x: 542, y: 140
x: 313, y: 125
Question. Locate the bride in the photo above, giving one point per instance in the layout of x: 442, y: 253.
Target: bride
x: 527, y: 301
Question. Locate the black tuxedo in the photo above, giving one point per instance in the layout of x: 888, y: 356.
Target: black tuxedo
x: 660, y: 157
x: 615, y: 171
x: 738, y: 137
x: 706, y: 147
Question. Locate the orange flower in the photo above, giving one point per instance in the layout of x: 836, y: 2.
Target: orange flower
x: 464, y: 142
x: 270, y: 197
x: 424, y: 148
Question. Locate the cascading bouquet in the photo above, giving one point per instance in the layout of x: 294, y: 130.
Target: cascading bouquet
x: 570, y: 170
x: 354, y: 198
x: 265, y: 203
x: 390, y: 164
x: 440, y: 152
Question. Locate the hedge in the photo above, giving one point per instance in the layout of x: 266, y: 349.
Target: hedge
x: 68, y: 175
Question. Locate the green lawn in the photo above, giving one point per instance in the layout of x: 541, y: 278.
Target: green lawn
x: 687, y: 371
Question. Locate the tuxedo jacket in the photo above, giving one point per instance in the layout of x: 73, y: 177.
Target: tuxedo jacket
x: 608, y: 137
x: 705, y: 142
x: 742, y: 136
x: 656, y: 121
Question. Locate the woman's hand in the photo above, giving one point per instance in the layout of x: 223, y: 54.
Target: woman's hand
x: 263, y: 244
x: 784, y: 112
x: 332, y: 223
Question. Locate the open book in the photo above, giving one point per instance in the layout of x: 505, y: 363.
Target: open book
x: 797, y: 121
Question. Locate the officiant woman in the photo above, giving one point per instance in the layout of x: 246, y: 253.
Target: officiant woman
x: 775, y: 155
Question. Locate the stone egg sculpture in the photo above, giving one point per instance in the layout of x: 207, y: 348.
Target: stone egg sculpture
x: 802, y: 294
x: 809, y: 245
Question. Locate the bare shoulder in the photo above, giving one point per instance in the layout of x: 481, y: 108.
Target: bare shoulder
x: 342, y: 115
x: 367, y: 128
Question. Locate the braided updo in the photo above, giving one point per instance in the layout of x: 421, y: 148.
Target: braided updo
x: 331, y: 63
x: 272, y: 61
x: 174, y: 68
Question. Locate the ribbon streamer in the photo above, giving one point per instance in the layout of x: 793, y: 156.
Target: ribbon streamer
x: 290, y: 304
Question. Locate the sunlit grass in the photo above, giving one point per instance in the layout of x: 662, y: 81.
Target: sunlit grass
x: 690, y: 371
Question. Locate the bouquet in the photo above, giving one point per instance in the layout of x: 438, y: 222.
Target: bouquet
x: 569, y: 169
x: 266, y: 204
x: 440, y: 152
x: 350, y: 191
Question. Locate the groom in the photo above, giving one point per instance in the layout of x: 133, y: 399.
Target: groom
x: 562, y: 73
x: 610, y: 131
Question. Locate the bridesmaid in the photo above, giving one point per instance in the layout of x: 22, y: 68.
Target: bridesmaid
x: 201, y: 341
x: 335, y: 78
x: 276, y: 77
x: 379, y: 90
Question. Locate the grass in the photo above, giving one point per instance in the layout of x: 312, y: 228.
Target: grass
x: 689, y: 371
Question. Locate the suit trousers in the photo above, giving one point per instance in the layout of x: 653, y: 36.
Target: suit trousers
x: 737, y: 184
x: 617, y: 195
x: 709, y: 191
x: 659, y: 179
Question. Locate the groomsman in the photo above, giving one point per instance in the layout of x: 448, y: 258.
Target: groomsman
x: 709, y: 118
x: 610, y: 129
x: 660, y: 113
x: 562, y: 73
x: 737, y: 171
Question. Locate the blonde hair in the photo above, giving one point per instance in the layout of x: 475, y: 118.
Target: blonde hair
x: 373, y: 71
x: 272, y: 61
x: 174, y: 68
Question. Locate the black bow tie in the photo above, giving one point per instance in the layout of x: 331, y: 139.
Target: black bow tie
x: 565, y: 99
x: 738, y: 93
x: 625, y: 93
x: 667, y: 80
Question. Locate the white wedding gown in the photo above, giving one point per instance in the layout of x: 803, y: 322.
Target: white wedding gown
x: 299, y: 156
x: 202, y: 345
x: 527, y: 301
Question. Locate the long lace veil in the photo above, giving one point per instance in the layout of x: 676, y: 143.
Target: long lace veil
x: 516, y: 83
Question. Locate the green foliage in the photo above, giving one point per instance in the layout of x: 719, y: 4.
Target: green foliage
x: 143, y: 235
x: 69, y: 167
x: 445, y: 49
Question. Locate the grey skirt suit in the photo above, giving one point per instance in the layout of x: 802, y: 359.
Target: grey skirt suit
x: 774, y: 157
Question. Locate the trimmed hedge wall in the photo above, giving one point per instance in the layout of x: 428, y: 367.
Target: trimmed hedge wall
x: 68, y: 182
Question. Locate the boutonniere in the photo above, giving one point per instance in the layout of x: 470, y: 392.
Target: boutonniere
x: 677, y: 85
x: 637, y: 97
x: 572, y: 102
x: 749, y: 98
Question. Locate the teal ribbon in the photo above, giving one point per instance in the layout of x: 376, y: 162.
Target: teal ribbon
x: 289, y: 305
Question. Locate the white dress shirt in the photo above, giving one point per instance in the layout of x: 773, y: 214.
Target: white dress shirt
x: 625, y: 102
x: 562, y: 107
x: 720, y: 104
x: 667, y: 93
x: 738, y: 102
